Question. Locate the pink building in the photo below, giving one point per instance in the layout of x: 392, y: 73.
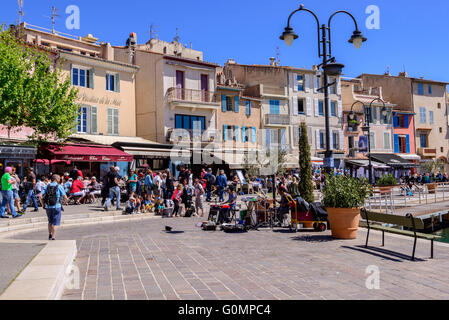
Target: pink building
x: 404, y: 136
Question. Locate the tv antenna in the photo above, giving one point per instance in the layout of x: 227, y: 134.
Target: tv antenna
x: 21, y: 13
x: 278, y: 55
x: 54, y: 15
x: 153, y: 34
x: 177, y: 38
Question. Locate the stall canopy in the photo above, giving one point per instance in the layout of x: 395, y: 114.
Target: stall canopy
x: 393, y: 160
x: 85, y: 153
x: 365, y: 163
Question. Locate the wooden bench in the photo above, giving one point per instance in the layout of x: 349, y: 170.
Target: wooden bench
x: 408, y: 221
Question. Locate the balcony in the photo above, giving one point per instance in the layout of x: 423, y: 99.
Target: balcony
x: 427, y: 152
x: 189, y: 135
x: 277, y: 120
x: 189, y: 98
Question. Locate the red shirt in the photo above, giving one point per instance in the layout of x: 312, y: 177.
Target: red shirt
x: 77, y: 186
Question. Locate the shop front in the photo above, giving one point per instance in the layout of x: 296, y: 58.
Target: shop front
x: 92, y: 160
x: 20, y: 157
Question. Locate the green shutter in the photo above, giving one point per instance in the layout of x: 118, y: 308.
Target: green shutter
x: 91, y: 78
x: 117, y: 82
x: 237, y: 104
x: 116, y: 123
x: 93, y: 120
x: 223, y: 102
x: 110, y: 121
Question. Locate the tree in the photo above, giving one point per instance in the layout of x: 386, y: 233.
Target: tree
x: 305, y: 166
x: 433, y: 166
x: 33, y: 91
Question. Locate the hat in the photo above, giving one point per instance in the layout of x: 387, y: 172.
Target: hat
x: 117, y: 169
x: 94, y: 178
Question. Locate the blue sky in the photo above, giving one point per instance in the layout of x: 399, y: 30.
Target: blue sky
x: 413, y: 34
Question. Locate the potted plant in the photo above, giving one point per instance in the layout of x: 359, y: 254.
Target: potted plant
x: 386, y: 183
x: 343, y: 198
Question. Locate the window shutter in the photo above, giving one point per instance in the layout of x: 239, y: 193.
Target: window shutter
x: 407, y: 143
x: 295, y: 106
x: 309, y: 106
x: 374, y: 115
x: 316, y: 107
x: 316, y: 82
x: 248, y: 108
x: 223, y: 103
x: 237, y: 104
x: 117, y: 82
x: 236, y: 133
x: 93, y: 120
x: 295, y: 82
x: 91, y: 78
x: 71, y: 74
x: 244, y: 134
x: 225, y: 133
x: 339, y: 86
x: 342, y: 140
x: 318, y: 140
x: 332, y: 141
x: 268, y: 137
x: 307, y: 83
x: 110, y: 121
x: 396, y: 143
x: 340, y: 109
x: 116, y: 124
x: 406, y: 121
x: 396, y: 121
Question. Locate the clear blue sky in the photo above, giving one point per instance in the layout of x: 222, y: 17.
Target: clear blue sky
x: 413, y: 34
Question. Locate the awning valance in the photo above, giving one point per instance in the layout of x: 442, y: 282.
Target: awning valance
x: 88, y: 153
x: 392, y: 160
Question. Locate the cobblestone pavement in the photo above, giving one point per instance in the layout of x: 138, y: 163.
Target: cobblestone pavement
x: 139, y: 261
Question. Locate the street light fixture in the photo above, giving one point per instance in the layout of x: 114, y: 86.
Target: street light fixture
x: 329, y: 65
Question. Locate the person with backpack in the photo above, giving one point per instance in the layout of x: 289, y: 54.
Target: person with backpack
x: 210, y: 181
x: 51, y: 202
x: 149, y: 186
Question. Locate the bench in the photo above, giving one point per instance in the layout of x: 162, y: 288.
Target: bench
x: 408, y: 221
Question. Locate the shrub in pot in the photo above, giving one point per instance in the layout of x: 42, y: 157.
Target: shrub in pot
x: 343, y: 197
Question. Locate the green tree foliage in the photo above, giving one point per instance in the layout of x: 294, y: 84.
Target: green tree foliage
x: 387, y: 181
x: 305, y: 167
x: 345, y: 192
x: 33, y: 92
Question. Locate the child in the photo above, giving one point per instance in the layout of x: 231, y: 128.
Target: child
x: 131, y: 206
x: 149, y: 204
x: 159, y: 207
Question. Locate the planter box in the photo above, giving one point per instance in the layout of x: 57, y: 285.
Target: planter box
x: 432, y: 187
x: 344, y: 222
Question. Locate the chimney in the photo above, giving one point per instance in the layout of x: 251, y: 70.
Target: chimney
x: 107, y: 51
x: 403, y: 74
x: 272, y: 62
x: 231, y: 61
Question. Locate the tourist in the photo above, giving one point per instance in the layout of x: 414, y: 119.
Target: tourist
x: 77, y: 190
x: 131, y: 206
x: 113, y: 179
x: 7, y: 194
x: 94, y: 189
x: 293, y: 188
x: 176, y: 198
x: 199, y: 191
x: 210, y: 181
x: 30, y: 190
x: 149, y: 182
x: 222, y: 184
x: 187, y: 195
x: 132, y: 183
x: 169, y: 186
x: 51, y: 202
x: 15, y: 189
x: 231, y: 202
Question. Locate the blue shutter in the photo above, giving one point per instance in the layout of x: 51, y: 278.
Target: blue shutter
x: 396, y: 121
x: 236, y: 133
x: 225, y: 133
x: 223, y: 103
x: 406, y: 121
x: 248, y: 108
x: 407, y: 142
x: 396, y: 143
x: 237, y: 104
x: 244, y: 134
x: 254, y: 135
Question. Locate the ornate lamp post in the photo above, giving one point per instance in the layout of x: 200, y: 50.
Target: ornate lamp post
x: 329, y: 65
x: 367, y: 128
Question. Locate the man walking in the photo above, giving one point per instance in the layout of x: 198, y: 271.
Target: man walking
x: 210, y: 181
x: 51, y: 202
x: 222, y: 183
x: 114, y: 188
x: 8, y: 195
x: 30, y: 187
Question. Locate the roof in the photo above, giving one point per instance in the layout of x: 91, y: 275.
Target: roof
x: 193, y: 61
x: 402, y: 77
x: 100, y: 59
x: 273, y: 67
x: 110, y: 140
x: 392, y: 160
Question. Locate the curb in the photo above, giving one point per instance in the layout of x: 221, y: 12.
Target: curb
x: 46, y: 275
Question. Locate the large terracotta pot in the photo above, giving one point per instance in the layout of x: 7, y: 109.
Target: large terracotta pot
x: 344, y: 222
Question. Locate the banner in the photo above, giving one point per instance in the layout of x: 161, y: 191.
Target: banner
x: 363, y: 144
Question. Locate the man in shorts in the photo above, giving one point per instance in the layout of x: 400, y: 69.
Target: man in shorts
x: 51, y: 202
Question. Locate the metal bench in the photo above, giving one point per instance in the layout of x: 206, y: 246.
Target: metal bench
x: 408, y: 221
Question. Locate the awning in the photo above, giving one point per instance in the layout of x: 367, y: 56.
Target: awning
x: 413, y: 157
x: 88, y: 153
x: 365, y: 163
x: 393, y: 160
x: 17, y: 152
x: 46, y: 162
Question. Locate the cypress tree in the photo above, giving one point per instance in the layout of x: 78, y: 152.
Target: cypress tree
x: 305, y: 166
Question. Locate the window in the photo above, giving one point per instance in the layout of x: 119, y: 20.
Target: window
x: 82, y: 77
x: 230, y: 133
x: 335, y: 140
x: 431, y: 119
x: 322, y: 143
x: 372, y: 140
x: 321, y: 108
x: 301, y: 107
x: 189, y: 122
x: 87, y: 120
x: 333, y: 109
x: 422, y: 115
x: 430, y: 89
x: 420, y: 89
x: 402, y: 144
x: 113, y: 82
x: 373, y: 114
x: 229, y: 104
x: 441, y: 130
x: 275, y: 107
x: 113, y: 121
x: 248, y: 108
x: 387, y: 141
x: 300, y: 79
x: 249, y: 134
x: 332, y: 88
x: 439, y: 105
x: 423, y: 140
x: 442, y: 149
x: 386, y: 119
x: 401, y: 121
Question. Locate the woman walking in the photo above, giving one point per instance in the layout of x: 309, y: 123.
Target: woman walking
x: 176, y: 198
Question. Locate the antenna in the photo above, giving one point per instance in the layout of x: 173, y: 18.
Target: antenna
x: 153, y: 34
x: 278, y: 55
x: 54, y: 15
x: 177, y: 38
x: 21, y: 13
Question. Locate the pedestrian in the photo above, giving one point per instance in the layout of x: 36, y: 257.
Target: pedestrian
x: 7, y: 194
x: 210, y: 181
x: 176, y: 198
x: 149, y: 182
x: 199, y: 191
x: 169, y: 186
x: 15, y: 189
x: 114, y: 188
x: 51, y: 202
x: 132, y: 183
x: 30, y: 191
x: 222, y: 184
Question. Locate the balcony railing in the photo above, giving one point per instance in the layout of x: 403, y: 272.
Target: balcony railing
x: 190, y: 95
x: 427, y: 152
x: 277, y: 119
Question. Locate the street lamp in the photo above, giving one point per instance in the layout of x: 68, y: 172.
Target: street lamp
x: 329, y: 65
x: 367, y: 128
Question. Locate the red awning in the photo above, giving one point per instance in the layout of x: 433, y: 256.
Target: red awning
x: 89, y: 153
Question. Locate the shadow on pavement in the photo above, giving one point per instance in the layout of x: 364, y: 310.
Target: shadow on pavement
x: 314, y: 238
x: 383, y: 253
